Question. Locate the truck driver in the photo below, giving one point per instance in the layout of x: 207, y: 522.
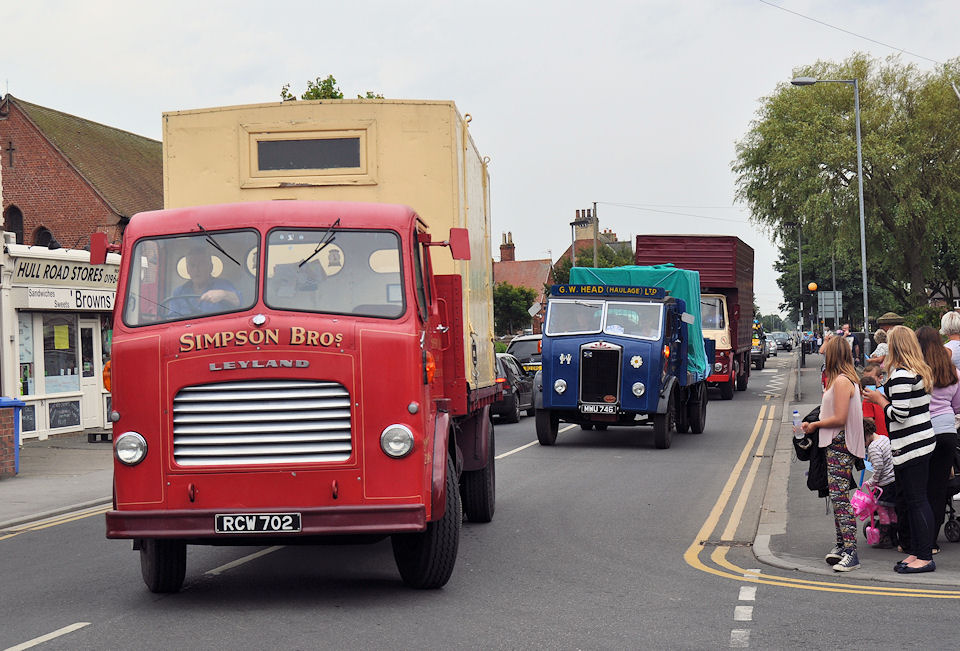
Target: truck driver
x: 202, y: 294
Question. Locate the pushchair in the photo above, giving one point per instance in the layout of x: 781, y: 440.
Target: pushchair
x: 951, y: 526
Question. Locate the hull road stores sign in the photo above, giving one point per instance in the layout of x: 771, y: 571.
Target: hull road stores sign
x: 63, y: 284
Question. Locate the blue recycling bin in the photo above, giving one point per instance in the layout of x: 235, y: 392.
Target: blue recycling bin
x: 16, y: 405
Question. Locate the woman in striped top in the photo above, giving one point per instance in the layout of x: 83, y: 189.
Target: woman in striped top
x: 908, y: 386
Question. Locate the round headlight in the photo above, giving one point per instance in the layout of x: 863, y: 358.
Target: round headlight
x: 718, y: 367
x: 560, y: 386
x: 638, y: 389
x: 130, y: 448
x: 396, y: 441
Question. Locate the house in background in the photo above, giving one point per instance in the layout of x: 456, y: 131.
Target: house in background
x: 63, y: 177
x: 530, y: 274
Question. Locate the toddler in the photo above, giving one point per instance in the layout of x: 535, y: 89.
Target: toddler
x: 881, y: 458
x: 871, y: 378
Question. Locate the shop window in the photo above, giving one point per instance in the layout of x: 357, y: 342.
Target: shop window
x: 60, y: 368
x: 25, y: 322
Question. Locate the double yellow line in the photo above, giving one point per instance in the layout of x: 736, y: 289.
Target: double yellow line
x: 54, y: 521
x: 724, y: 568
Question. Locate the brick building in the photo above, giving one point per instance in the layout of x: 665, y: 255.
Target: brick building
x: 531, y: 274
x: 63, y: 177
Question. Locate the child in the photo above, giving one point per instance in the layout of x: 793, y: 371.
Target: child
x: 881, y: 458
x: 871, y: 378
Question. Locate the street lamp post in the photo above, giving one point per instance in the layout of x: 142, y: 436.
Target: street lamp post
x: 809, y: 81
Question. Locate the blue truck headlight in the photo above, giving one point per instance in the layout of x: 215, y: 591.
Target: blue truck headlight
x: 130, y: 448
x: 396, y: 441
x: 560, y: 386
x: 638, y: 389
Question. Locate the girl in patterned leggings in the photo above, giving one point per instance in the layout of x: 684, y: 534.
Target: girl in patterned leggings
x: 841, y: 433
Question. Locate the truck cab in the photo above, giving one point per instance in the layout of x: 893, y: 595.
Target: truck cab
x: 617, y: 356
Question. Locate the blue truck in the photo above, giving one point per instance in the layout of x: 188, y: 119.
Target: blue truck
x: 624, y: 347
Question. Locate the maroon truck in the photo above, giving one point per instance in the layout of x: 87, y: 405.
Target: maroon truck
x: 725, y: 264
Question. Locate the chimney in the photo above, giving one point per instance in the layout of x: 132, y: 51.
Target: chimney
x: 507, y: 253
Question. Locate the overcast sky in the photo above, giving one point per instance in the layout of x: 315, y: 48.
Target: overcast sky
x: 635, y: 103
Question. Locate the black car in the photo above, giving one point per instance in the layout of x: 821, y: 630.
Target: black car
x: 526, y: 348
x: 783, y: 340
x: 517, y: 389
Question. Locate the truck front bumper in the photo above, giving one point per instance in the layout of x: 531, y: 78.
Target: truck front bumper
x: 316, y: 521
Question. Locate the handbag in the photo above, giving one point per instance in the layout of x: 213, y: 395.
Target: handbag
x: 864, y: 501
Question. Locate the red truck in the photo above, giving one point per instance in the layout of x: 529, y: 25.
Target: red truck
x: 725, y: 264
x: 294, y: 360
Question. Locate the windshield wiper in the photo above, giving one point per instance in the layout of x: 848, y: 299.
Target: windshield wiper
x: 327, y: 238
x: 214, y: 244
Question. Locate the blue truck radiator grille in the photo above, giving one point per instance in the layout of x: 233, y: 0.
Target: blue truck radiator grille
x: 261, y: 422
x: 599, y: 375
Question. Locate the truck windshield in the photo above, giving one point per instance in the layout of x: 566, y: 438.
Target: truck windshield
x: 335, y: 271
x: 633, y: 320
x: 711, y: 314
x: 574, y: 317
x: 176, y: 278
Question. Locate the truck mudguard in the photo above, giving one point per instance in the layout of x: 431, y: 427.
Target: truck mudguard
x: 438, y: 492
x: 668, y: 386
x: 473, y: 437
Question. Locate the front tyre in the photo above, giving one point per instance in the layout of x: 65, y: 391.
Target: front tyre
x: 726, y: 390
x: 514, y: 415
x: 547, y: 426
x: 426, y: 559
x: 663, y: 425
x: 163, y: 564
x: 479, y: 488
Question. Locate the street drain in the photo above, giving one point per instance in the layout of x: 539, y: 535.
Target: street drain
x: 726, y: 543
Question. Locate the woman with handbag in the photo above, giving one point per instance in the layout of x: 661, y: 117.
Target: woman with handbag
x: 841, y: 433
x: 909, y: 382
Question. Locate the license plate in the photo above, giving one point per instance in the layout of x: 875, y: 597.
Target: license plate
x: 257, y: 523
x: 532, y: 368
x: 598, y: 409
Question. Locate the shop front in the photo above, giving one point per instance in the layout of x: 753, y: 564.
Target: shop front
x: 57, y: 312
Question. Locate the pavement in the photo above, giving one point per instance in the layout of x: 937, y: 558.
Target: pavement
x: 795, y: 530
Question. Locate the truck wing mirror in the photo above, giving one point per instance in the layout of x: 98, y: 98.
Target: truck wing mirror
x: 460, y: 243
x: 686, y: 317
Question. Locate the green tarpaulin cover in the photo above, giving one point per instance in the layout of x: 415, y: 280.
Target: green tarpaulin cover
x: 679, y: 283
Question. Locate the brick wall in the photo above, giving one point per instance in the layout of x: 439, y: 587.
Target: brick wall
x: 7, y: 442
x: 47, y: 190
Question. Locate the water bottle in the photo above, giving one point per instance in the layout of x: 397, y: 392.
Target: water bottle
x: 797, y: 431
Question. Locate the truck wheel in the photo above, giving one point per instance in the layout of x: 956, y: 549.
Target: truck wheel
x: 742, y: 380
x: 680, y: 416
x: 514, y: 415
x: 478, y: 488
x: 726, y: 390
x: 663, y: 425
x: 697, y: 409
x: 547, y: 426
x: 163, y: 564
x: 426, y: 559
x: 761, y: 363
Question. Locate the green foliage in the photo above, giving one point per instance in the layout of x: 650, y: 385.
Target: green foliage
x: 499, y: 347
x: 510, y: 305
x: 797, y: 165
x: 772, y: 323
x: 607, y: 256
x: 925, y: 315
x: 325, y: 88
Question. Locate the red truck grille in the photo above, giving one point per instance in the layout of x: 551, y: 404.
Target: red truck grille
x: 261, y: 422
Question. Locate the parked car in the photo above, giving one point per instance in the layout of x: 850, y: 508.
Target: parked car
x: 771, y: 348
x: 517, y: 389
x: 526, y: 348
x: 783, y: 340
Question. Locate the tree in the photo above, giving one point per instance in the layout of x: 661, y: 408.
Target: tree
x: 607, y: 256
x: 797, y: 165
x: 510, y: 305
x: 325, y: 88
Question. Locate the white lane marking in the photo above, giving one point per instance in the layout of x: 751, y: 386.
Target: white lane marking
x: 743, y: 613
x: 49, y: 636
x: 515, y: 450
x: 245, y: 559
x: 739, y: 639
x: 751, y: 572
x: 748, y: 593
x: 530, y: 444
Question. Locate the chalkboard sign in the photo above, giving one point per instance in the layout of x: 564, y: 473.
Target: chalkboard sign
x: 64, y: 414
x: 28, y: 418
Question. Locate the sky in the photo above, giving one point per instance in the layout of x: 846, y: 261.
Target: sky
x: 636, y: 105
